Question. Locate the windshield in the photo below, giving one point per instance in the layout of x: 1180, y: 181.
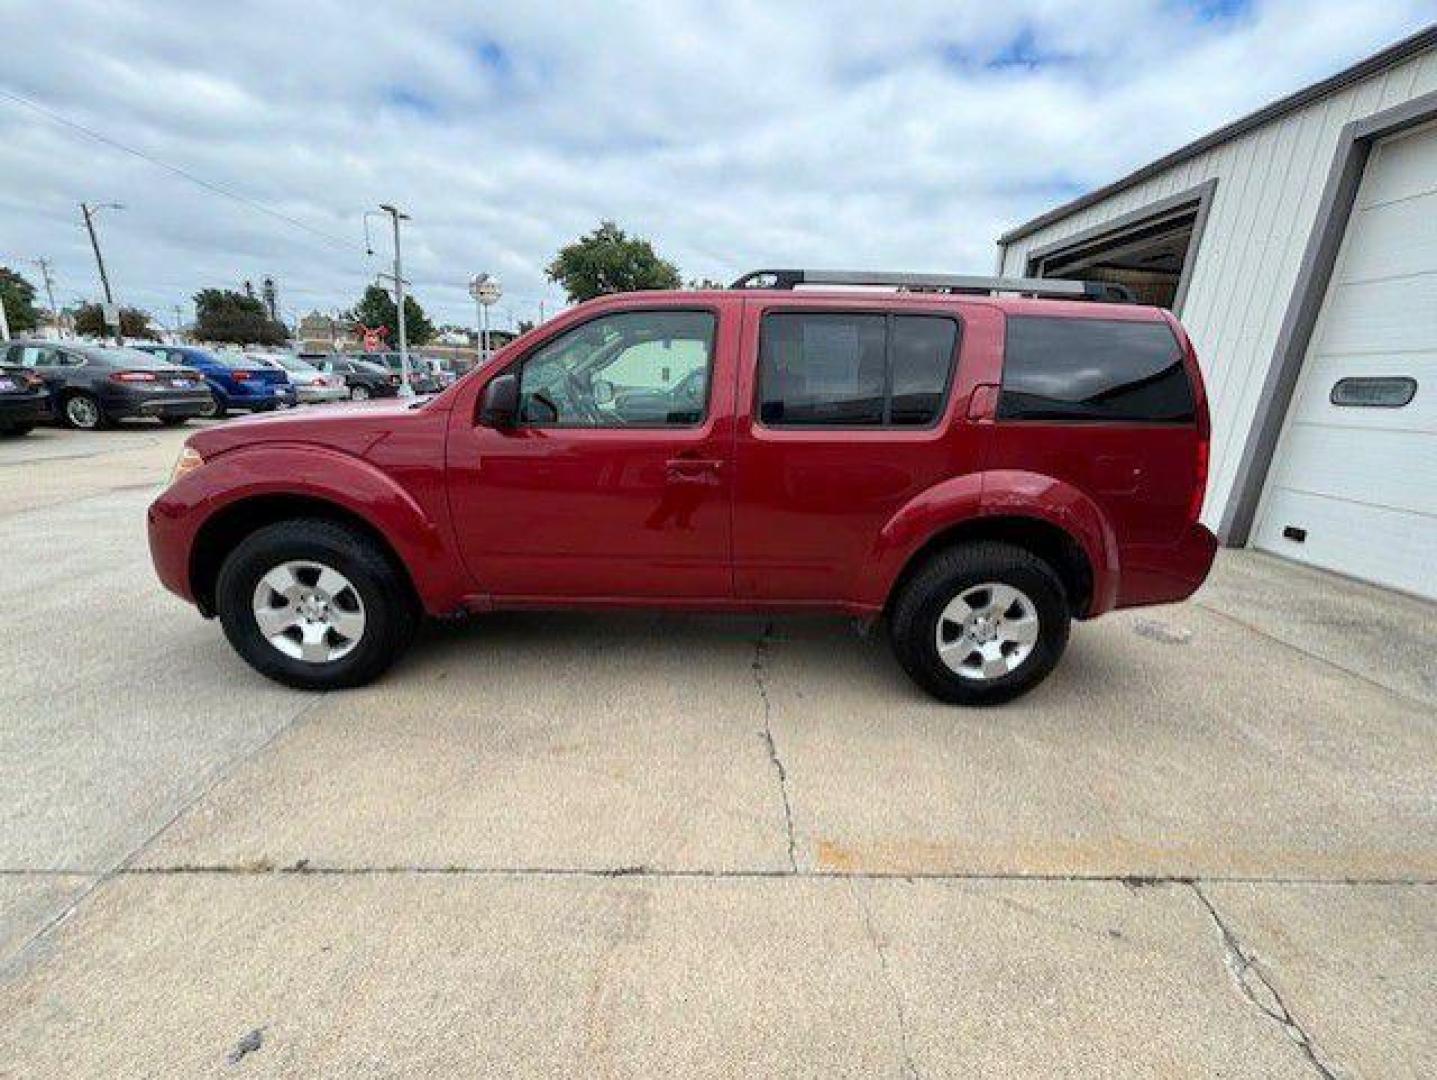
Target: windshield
x: 290, y: 363
x: 238, y: 361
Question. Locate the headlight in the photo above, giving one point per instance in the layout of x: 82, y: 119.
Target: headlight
x: 188, y: 461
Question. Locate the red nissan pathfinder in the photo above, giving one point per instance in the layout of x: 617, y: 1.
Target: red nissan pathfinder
x: 977, y: 461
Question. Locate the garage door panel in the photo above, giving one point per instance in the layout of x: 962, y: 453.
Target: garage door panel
x: 1392, y: 241
x: 1389, y: 547
x: 1362, y: 466
x: 1356, y: 486
x: 1400, y: 168
x: 1312, y: 402
x: 1386, y: 316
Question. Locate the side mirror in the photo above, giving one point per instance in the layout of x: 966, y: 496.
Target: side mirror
x: 500, y: 407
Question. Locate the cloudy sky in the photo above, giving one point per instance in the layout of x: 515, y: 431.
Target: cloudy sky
x: 891, y: 135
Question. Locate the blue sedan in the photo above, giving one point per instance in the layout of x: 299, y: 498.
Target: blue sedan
x: 235, y: 382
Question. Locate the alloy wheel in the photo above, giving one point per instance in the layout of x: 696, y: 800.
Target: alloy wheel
x: 83, y: 412
x: 309, y: 611
x: 987, y: 631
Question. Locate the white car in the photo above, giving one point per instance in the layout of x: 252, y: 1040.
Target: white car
x: 311, y: 386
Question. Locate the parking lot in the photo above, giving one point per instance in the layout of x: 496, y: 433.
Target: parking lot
x: 600, y: 845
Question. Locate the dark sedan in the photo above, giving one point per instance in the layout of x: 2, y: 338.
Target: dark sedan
x: 24, y: 400
x: 421, y: 377
x: 363, y: 379
x: 94, y: 385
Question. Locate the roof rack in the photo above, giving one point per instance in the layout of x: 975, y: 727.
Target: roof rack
x: 949, y: 283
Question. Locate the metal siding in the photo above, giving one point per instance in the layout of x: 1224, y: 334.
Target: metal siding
x: 1270, y: 183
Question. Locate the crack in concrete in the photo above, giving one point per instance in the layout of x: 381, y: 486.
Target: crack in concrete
x: 760, y: 655
x: 906, y: 1064
x: 1260, y: 991
x: 300, y: 867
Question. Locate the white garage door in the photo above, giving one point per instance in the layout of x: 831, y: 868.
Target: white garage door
x: 1353, y: 486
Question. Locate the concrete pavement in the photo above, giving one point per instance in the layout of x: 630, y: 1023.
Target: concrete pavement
x: 582, y: 845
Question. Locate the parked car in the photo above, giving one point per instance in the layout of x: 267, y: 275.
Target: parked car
x: 363, y: 379
x: 311, y: 386
x: 421, y: 376
x: 979, y: 468
x: 234, y: 381
x: 24, y: 400
x: 92, y: 386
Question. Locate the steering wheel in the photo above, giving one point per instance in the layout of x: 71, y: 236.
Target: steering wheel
x: 582, y: 400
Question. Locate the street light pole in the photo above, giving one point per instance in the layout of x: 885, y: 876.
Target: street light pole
x: 89, y: 213
x: 405, y: 388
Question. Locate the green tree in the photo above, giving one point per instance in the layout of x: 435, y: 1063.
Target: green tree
x: 134, y: 323
x: 18, y: 296
x: 377, y: 308
x: 234, y: 317
x: 607, y: 260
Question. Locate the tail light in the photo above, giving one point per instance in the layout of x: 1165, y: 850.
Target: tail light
x: 240, y: 376
x: 133, y: 376
x: 30, y: 379
x: 1199, y: 478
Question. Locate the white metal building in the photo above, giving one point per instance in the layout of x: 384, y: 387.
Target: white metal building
x: 1299, y: 247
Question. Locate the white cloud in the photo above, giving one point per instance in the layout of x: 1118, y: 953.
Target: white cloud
x: 733, y: 135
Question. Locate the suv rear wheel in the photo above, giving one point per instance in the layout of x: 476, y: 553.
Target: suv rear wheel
x: 314, y: 604
x: 981, y: 623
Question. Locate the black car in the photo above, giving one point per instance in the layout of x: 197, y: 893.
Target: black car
x: 421, y: 376
x: 24, y: 400
x: 93, y: 385
x: 364, y: 379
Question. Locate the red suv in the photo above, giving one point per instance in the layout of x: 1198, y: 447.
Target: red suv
x: 980, y: 461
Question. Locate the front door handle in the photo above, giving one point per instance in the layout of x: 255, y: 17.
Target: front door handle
x: 693, y: 470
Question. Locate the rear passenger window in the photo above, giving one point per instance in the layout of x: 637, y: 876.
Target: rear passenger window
x: 830, y: 369
x: 1093, y: 370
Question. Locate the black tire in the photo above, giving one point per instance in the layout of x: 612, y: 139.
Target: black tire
x: 17, y: 430
x: 914, y: 622
x: 390, y: 610
x: 359, y: 393
x: 82, y: 412
x: 217, y: 410
x: 174, y: 421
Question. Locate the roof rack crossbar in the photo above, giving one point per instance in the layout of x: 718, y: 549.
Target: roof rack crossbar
x: 1059, y: 288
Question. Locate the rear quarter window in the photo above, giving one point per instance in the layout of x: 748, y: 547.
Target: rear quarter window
x: 1093, y: 370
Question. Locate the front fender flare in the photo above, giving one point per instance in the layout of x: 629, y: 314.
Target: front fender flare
x: 303, y: 471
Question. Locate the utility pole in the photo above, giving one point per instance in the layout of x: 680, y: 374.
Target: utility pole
x: 89, y: 213
x: 4, y: 322
x: 405, y: 389
x: 179, y: 321
x: 44, y: 265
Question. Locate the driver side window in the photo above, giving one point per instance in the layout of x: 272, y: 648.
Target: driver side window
x: 629, y: 369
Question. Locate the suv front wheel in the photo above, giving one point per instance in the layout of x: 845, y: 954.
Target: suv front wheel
x: 314, y: 604
x: 981, y: 623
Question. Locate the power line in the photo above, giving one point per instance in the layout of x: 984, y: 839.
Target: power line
x: 183, y: 173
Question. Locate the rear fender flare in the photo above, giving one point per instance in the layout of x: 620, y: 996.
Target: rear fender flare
x: 1003, y: 493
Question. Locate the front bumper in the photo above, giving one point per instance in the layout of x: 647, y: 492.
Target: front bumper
x: 18, y: 409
